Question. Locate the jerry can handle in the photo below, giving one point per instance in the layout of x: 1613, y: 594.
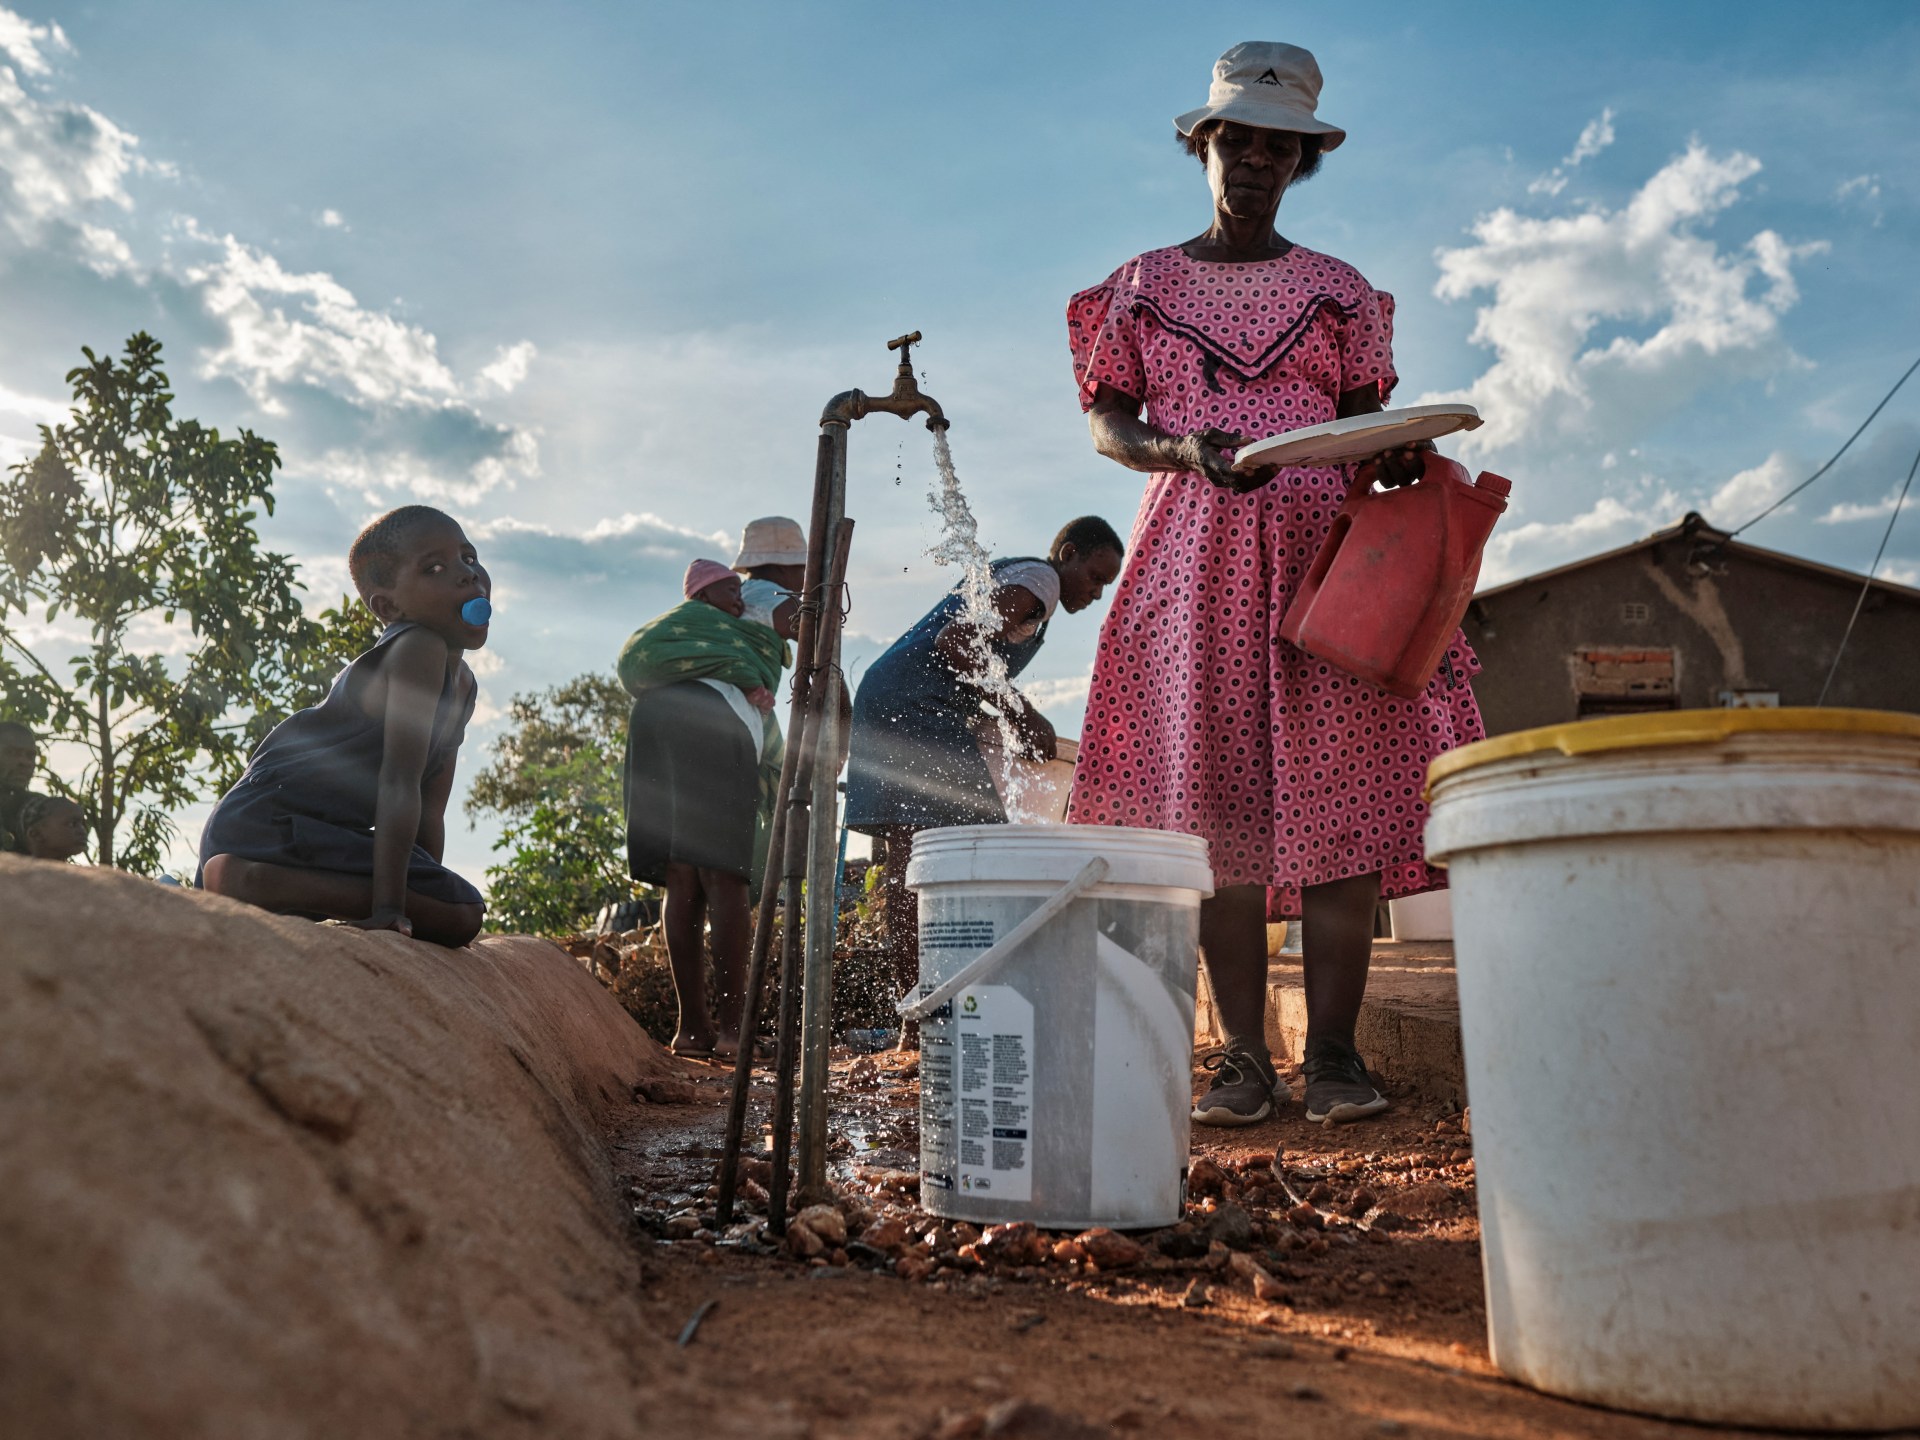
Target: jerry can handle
x: 1368, y: 471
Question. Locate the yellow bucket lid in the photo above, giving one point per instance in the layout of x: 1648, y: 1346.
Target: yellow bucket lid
x: 1670, y: 727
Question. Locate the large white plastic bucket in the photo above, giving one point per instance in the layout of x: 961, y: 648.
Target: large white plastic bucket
x: 1057, y: 971
x: 1691, y: 1014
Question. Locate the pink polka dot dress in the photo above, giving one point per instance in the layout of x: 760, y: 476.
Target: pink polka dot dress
x: 1200, y: 718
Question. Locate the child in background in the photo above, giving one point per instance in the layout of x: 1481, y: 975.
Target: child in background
x: 53, y: 828
x: 19, y: 758
x: 725, y: 591
x: 702, y: 761
x: 341, y: 813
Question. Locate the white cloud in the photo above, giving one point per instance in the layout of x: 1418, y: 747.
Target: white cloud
x: 59, y: 162
x: 285, y: 328
x: 1879, y: 509
x: 1746, y: 494
x: 25, y: 43
x: 1067, y: 692
x: 1900, y: 572
x: 1541, y: 544
x: 510, y: 367
x: 1862, y: 192
x: 1703, y: 314
x: 1595, y: 137
x: 297, y: 342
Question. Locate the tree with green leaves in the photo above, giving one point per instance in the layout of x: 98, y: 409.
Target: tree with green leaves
x: 131, y: 534
x: 555, y: 779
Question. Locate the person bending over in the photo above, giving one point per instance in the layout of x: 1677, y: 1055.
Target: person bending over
x: 915, y: 760
x: 702, y: 763
x: 341, y: 813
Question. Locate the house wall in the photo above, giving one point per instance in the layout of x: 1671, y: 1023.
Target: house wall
x: 1744, y: 624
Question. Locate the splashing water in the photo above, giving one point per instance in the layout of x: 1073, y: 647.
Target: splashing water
x: 959, y: 545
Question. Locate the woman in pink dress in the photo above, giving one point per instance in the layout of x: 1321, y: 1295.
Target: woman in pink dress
x: 1305, y: 782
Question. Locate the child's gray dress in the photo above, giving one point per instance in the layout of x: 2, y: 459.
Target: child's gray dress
x: 308, y: 795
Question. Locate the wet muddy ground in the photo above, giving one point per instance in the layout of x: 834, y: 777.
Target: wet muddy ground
x: 1341, y: 1298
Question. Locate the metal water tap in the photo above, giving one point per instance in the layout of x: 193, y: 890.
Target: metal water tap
x: 906, y: 401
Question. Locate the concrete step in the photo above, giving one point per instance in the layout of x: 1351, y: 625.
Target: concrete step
x: 1409, y: 1029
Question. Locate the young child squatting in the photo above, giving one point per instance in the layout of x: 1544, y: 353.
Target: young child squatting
x: 341, y: 814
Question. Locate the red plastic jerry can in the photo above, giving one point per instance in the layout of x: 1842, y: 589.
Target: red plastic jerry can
x: 1393, y: 580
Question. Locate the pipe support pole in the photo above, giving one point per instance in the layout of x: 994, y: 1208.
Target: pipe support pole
x: 823, y: 923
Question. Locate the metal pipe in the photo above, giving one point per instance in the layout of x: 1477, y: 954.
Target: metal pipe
x: 791, y: 811
x: 823, y: 921
x: 804, y: 851
x: 810, y: 606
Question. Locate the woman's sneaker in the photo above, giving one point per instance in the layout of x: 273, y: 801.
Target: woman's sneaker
x: 1242, y: 1089
x: 1338, y: 1089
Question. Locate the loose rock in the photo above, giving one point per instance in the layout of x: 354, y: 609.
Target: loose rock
x: 888, y: 1234
x: 824, y: 1221
x: 1018, y: 1243
x: 1109, y: 1249
x: 802, y: 1242
x: 1424, y: 1201
x: 1231, y: 1226
x: 1204, y: 1177
x: 666, y: 1091
x: 1181, y: 1242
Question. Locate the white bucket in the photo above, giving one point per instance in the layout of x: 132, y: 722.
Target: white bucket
x: 1031, y: 791
x: 1427, y: 916
x: 1057, y: 970
x: 1691, y: 1017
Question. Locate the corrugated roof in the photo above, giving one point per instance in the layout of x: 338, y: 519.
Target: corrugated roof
x: 1693, y: 527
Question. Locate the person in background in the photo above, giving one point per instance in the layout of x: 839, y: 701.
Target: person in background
x: 773, y: 558
x: 342, y: 811
x: 701, y: 747
x: 19, y: 758
x: 915, y: 762
x: 53, y: 827
x: 1303, y: 780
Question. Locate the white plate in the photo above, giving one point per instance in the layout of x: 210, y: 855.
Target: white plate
x: 1358, y: 437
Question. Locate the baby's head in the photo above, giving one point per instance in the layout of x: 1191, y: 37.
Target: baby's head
x: 54, y: 827
x: 712, y: 583
x: 19, y: 755
x: 415, y: 563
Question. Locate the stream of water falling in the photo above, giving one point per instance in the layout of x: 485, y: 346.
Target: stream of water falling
x: 959, y: 545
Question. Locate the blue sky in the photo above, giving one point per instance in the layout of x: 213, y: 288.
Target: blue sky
x: 584, y: 274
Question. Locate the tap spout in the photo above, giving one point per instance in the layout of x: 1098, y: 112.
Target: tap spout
x: 906, y: 399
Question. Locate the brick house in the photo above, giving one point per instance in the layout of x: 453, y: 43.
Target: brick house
x: 1689, y: 618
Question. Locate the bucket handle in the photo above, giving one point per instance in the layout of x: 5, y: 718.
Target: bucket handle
x: 1091, y: 874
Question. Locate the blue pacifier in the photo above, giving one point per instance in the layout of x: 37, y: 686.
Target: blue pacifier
x: 477, y: 611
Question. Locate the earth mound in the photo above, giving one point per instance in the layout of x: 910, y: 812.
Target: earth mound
x: 267, y: 1177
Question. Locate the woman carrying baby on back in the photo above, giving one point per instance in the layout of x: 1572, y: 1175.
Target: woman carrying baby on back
x: 702, y: 763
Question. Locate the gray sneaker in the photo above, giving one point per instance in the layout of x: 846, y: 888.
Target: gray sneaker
x: 1338, y: 1090
x: 1242, y: 1089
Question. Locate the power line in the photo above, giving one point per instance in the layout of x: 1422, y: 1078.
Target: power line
x: 1885, y: 535
x: 1836, y: 454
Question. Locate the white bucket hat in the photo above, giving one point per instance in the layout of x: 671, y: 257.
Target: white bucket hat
x: 771, y: 540
x: 1269, y: 85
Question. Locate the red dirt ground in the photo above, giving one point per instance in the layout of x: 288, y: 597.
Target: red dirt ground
x: 1372, y: 1332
